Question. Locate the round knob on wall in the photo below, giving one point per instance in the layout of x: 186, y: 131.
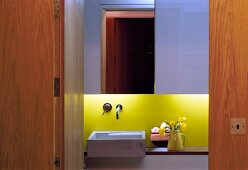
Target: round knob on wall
x: 107, y: 107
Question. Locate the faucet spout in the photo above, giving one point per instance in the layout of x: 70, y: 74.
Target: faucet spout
x: 118, y: 110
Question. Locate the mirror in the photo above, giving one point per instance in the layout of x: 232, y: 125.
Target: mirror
x: 115, y: 62
x: 128, y: 52
x: 119, y: 47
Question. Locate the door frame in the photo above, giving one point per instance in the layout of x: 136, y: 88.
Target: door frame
x: 69, y: 30
x: 59, y: 101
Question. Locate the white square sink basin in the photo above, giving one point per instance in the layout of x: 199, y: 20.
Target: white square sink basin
x: 116, y: 144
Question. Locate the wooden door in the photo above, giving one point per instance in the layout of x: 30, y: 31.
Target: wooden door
x: 228, y: 83
x: 26, y: 85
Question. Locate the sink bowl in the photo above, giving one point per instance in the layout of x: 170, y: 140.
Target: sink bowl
x: 118, y: 135
x: 116, y: 144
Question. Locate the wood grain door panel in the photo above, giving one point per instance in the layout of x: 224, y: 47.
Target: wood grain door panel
x: 26, y: 85
x: 228, y: 83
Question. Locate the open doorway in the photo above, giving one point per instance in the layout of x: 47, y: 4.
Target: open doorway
x: 129, y: 49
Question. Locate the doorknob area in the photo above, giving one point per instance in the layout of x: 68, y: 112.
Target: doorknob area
x: 238, y: 126
x: 57, y: 161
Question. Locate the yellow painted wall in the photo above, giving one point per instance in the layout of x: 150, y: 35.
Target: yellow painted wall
x: 143, y: 112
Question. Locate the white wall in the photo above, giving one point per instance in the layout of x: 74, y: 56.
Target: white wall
x: 92, y: 47
x: 181, y: 46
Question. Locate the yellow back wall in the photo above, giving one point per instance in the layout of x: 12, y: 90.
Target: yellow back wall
x: 145, y: 111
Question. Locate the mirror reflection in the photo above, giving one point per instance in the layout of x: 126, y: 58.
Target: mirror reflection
x: 128, y: 52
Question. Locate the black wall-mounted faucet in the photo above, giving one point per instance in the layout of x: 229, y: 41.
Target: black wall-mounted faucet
x: 118, y: 110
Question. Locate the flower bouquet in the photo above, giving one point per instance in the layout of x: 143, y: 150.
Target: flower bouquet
x: 169, y: 129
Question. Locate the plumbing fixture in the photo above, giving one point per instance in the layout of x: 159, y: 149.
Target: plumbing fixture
x: 107, y: 107
x: 118, y: 110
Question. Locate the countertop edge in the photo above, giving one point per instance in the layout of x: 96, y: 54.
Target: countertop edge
x: 186, y: 151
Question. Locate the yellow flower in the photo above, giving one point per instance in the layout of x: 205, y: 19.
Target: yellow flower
x: 172, y: 123
x: 181, y: 119
x: 161, y: 131
x: 183, y: 127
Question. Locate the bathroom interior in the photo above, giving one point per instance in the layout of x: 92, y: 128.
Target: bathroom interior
x: 145, y: 63
x: 200, y: 73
